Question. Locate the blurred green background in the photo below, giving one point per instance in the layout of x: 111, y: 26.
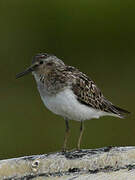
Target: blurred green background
x: 98, y: 37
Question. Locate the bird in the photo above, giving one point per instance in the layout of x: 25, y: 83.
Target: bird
x: 69, y: 93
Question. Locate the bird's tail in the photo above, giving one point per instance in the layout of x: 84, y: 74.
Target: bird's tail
x: 119, y: 111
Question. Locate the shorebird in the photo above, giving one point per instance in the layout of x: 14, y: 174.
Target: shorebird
x: 68, y: 92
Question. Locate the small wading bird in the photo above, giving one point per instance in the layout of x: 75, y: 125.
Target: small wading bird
x: 69, y: 93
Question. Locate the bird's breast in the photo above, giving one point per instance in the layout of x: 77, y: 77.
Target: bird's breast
x: 66, y: 104
x: 62, y: 101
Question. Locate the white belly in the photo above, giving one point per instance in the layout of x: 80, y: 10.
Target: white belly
x: 66, y: 105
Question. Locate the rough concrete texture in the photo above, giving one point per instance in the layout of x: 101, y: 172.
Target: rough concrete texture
x: 109, y: 163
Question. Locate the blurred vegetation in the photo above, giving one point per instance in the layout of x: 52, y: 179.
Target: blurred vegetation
x: 98, y: 37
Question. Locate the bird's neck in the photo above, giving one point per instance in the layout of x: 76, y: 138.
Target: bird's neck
x: 50, y: 84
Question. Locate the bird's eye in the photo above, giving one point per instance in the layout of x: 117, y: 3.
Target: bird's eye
x: 41, y: 62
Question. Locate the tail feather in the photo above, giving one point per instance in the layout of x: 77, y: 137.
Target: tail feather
x: 119, y: 111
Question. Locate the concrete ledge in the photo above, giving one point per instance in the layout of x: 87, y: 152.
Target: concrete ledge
x: 108, y: 163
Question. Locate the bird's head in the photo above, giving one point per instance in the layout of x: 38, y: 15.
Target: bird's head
x: 43, y: 64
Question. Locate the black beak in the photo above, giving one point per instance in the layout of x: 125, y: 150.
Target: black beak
x: 27, y: 71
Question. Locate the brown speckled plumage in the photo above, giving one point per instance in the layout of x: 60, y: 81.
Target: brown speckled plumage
x: 83, y: 87
x: 89, y: 94
x: 56, y: 76
x: 68, y: 92
x: 86, y: 90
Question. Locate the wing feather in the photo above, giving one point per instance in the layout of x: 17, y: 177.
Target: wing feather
x: 89, y: 94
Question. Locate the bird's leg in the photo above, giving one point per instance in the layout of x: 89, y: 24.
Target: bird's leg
x: 66, y: 135
x: 80, y: 136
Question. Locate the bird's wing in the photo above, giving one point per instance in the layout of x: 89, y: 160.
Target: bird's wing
x: 89, y: 94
